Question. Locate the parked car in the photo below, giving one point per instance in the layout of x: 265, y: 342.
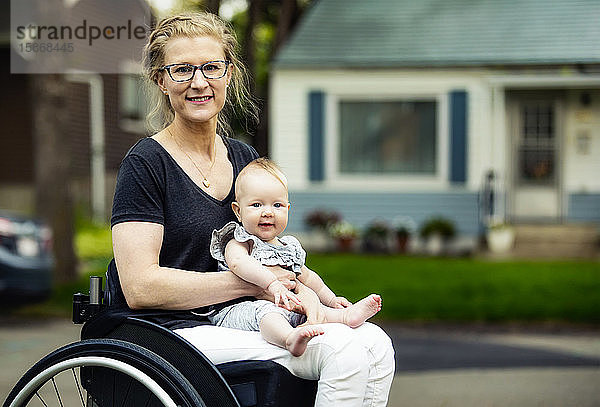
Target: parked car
x: 26, y: 261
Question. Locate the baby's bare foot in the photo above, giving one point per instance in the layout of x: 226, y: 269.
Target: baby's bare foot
x: 359, y: 312
x: 298, y: 339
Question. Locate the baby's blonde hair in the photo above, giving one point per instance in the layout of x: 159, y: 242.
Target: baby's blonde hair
x: 258, y: 164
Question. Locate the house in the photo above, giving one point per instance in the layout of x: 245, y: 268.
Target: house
x: 106, y: 115
x: 396, y: 108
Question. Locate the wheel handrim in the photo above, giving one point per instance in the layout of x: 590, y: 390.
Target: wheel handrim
x: 49, y: 373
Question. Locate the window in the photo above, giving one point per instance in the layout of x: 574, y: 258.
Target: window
x: 133, y: 105
x: 537, y: 146
x: 388, y: 137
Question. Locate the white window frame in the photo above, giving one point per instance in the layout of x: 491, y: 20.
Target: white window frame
x: 371, y: 181
x: 128, y: 124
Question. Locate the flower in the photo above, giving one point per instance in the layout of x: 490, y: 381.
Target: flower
x: 321, y: 219
x: 342, y: 230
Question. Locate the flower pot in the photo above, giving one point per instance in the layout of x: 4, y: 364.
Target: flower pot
x: 500, y: 240
x: 435, y: 244
x: 345, y: 244
x: 401, y: 243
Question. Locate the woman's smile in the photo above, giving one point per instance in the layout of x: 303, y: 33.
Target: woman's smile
x: 199, y: 99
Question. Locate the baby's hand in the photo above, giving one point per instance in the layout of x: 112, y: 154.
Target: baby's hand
x: 339, y: 302
x: 282, y: 295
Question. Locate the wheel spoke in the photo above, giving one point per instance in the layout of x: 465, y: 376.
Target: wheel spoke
x: 42, y: 400
x: 127, y: 393
x: 57, y: 392
x: 78, y: 387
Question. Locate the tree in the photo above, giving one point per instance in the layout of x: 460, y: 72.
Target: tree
x: 54, y: 203
x: 263, y: 28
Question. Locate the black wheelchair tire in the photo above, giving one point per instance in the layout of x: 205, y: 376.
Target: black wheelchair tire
x: 145, y: 370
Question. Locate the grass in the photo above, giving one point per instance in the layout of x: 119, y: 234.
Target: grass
x: 445, y: 289
x: 413, y: 288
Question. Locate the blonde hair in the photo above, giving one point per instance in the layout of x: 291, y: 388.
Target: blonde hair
x: 259, y: 164
x: 191, y: 25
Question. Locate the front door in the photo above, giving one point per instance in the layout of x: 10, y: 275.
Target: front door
x: 536, y: 161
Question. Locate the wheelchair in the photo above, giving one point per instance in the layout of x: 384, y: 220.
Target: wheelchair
x: 125, y: 359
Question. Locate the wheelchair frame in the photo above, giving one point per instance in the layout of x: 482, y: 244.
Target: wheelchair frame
x: 126, y: 360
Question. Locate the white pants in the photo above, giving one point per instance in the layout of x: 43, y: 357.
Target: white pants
x: 355, y: 367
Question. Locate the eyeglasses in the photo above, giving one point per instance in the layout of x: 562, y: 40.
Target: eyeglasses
x: 185, y: 72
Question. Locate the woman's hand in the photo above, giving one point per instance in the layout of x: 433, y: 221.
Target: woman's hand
x: 286, y: 277
x: 282, y: 295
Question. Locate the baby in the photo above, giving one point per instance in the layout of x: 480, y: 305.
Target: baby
x: 262, y: 207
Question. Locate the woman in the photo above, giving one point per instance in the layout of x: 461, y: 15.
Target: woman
x: 176, y: 187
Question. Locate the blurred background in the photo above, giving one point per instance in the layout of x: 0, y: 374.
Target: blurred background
x: 444, y: 154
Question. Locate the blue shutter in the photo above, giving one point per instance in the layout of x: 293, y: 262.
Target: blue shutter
x: 458, y: 136
x: 316, y: 136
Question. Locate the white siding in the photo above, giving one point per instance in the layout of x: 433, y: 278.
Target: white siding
x: 289, y: 127
x: 488, y: 139
x: 582, y: 168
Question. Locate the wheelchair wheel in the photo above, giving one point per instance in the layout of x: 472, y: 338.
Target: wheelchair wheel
x: 102, y: 373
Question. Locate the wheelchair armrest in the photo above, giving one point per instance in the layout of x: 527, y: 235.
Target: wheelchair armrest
x: 86, y: 306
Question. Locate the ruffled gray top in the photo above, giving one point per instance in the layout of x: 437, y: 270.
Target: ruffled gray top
x: 289, y: 254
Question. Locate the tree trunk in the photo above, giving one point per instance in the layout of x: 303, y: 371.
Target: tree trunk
x: 212, y: 6
x: 54, y: 203
x: 288, y: 14
x: 249, y: 48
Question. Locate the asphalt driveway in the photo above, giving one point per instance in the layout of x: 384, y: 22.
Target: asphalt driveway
x: 436, y: 366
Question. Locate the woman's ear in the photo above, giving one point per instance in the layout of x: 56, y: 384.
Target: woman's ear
x: 236, y: 210
x: 161, y: 85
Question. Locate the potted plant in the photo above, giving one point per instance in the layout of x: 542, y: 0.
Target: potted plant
x: 344, y: 233
x: 318, y: 221
x: 500, y: 237
x: 376, y: 236
x: 321, y: 219
x: 437, y: 232
x: 403, y: 228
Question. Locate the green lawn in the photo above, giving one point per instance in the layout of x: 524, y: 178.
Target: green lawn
x: 415, y: 288
x: 467, y: 289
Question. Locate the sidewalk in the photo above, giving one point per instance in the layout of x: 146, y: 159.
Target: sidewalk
x: 548, y: 369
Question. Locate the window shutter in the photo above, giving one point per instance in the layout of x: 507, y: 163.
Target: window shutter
x: 458, y: 136
x: 316, y: 124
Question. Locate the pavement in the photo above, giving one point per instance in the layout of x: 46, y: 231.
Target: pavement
x: 476, y: 366
x: 436, y: 365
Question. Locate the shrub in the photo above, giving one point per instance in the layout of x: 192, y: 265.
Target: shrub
x: 440, y: 225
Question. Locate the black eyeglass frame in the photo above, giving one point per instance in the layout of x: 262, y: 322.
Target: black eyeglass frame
x: 196, y: 67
